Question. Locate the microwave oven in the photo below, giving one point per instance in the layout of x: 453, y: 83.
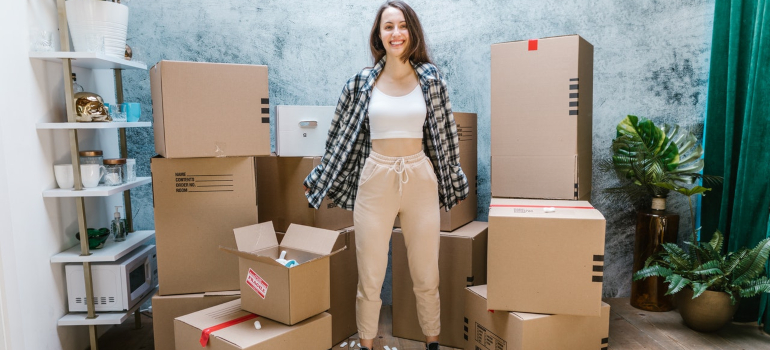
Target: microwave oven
x: 118, y: 285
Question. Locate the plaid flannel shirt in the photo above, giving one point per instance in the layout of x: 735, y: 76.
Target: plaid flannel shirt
x: 349, y: 142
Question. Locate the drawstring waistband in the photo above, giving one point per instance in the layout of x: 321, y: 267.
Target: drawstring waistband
x: 398, y: 164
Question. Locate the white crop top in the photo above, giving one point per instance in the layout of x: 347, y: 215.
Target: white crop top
x: 395, y: 117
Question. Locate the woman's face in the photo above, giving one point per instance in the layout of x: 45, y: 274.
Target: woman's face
x: 393, y: 32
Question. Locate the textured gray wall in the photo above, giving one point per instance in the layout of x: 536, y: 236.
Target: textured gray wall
x: 651, y: 59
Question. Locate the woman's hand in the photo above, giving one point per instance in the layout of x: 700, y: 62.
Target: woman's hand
x: 306, y: 189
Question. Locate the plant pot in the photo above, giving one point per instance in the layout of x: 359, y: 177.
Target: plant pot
x: 90, y: 20
x: 708, y: 312
x: 653, y: 228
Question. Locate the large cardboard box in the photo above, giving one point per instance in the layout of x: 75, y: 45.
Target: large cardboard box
x: 343, y: 277
x: 198, y: 202
x: 301, y: 131
x: 311, y: 334
x: 500, y: 330
x: 279, y: 180
x: 270, y: 289
x: 542, y: 93
x: 545, y: 257
x: 464, y: 212
x: 210, y: 109
x: 166, y: 308
x: 462, y: 263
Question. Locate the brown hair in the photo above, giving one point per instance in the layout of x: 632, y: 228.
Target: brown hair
x: 417, y: 50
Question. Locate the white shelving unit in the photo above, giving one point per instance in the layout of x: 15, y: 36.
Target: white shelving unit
x: 112, y: 251
x: 88, y: 60
x: 91, y: 125
x: 98, y: 191
x: 103, y: 318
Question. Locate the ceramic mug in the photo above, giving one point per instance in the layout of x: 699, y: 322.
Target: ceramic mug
x: 90, y: 174
x: 133, y: 111
x: 65, y: 178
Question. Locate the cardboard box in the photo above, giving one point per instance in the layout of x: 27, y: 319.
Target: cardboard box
x: 279, y: 180
x: 343, y: 286
x: 545, y: 261
x: 301, y: 131
x: 210, y: 109
x: 464, y: 212
x: 311, y: 334
x: 166, y: 308
x: 270, y: 289
x: 542, y: 93
x: 198, y: 202
x: 500, y: 330
x: 462, y: 263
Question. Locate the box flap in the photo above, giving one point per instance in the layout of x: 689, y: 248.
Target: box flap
x: 310, y: 239
x: 255, y: 237
x: 222, y: 293
x: 251, y: 256
x: 481, y: 290
x: 554, y: 209
x: 470, y: 230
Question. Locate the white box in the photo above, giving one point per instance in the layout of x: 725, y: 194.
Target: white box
x: 301, y: 130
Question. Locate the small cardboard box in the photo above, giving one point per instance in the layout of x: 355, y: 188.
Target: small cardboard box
x: 189, y: 330
x: 301, y: 131
x: 198, y: 202
x: 500, y: 330
x: 545, y: 257
x: 279, y: 180
x: 542, y: 93
x: 270, y: 289
x: 344, y: 285
x: 210, y: 109
x: 464, y: 212
x: 166, y: 308
x: 462, y: 262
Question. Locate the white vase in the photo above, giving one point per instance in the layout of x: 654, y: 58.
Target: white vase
x: 93, y: 18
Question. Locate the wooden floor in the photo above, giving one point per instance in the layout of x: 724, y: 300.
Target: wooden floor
x: 629, y: 329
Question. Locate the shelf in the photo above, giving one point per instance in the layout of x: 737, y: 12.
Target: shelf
x: 93, y: 125
x: 112, y: 251
x: 90, y: 60
x: 98, y: 191
x: 104, y: 318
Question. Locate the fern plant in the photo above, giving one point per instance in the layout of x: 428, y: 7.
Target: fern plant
x: 704, y: 267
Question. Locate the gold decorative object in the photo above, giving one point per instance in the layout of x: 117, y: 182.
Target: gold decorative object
x: 128, y: 53
x: 90, y: 108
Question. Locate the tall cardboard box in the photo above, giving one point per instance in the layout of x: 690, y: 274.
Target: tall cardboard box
x: 464, y: 212
x: 198, y: 202
x: 270, y: 289
x: 166, y: 308
x: 545, y: 256
x: 279, y: 180
x: 542, y: 95
x: 500, y: 330
x: 210, y: 109
x: 311, y: 334
x: 343, y: 277
x: 462, y: 263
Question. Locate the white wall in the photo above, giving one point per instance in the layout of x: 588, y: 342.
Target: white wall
x: 32, y: 229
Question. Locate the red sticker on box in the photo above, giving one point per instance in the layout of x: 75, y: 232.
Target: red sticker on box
x: 257, y: 283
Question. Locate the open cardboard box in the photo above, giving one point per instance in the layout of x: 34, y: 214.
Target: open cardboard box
x: 270, y: 289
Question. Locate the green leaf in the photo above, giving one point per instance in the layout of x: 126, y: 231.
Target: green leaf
x: 698, y: 288
x: 754, y: 263
x: 652, y: 271
x: 717, y: 240
x: 676, y: 283
x: 758, y: 286
x: 677, y: 257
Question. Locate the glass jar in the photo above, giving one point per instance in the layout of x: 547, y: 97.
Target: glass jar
x: 91, y: 157
x: 116, y: 171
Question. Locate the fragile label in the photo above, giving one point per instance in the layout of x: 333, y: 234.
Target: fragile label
x: 256, y: 283
x: 489, y: 340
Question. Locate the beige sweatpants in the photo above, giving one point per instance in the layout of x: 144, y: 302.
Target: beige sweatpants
x: 405, y: 186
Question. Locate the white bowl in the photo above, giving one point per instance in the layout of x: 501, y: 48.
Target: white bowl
x: 87, y: 17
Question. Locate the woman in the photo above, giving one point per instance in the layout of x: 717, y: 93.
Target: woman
x: 393, y: 150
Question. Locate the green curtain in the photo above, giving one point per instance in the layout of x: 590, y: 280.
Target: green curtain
x: 737, y: 136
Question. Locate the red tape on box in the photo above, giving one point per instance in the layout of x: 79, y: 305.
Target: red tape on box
x: 206, y: 332
x: 532, y: 45
x: 534, y: 206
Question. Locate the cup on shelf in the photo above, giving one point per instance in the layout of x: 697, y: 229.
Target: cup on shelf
x: 133, y: 111
x: 40, y: 40
x: 130, y: 170
x: 65, y: 177
x: 90, y: 174
x: 118, y: 112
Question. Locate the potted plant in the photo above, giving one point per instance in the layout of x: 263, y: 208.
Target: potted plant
x: 708, y: 284
x: 645, y: 156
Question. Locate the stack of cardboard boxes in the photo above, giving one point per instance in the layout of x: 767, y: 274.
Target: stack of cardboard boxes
x: 212, y: 134
x: 546, y: 243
